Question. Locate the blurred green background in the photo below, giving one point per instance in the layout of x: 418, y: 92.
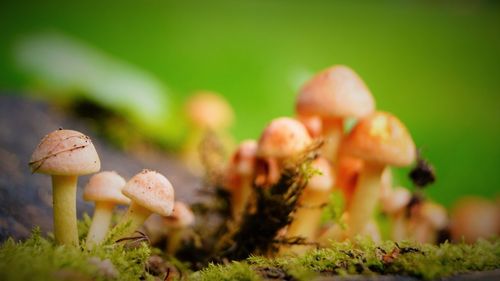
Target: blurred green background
x: 435, y: 64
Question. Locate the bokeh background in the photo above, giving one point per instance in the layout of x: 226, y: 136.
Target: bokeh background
x: 435, y: 64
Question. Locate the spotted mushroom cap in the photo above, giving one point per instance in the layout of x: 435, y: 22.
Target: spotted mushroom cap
x: 152, y: 191
x: 209, y: 110
x: 335, y: 92
x: 182, y: 216
x: 65, y: 153
x: 283, y: 137
x: 106, y: 187
x: 381, y: 138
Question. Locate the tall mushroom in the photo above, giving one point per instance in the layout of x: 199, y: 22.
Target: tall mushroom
x: 239, y: 176
x: 314, y: 197
x: 380, y: 140
x: 333, y: 95
x: 105, y: 189
x: 65, y: 155
x: 181, y: 218
x: 149, y: 192
x: 282, y: 138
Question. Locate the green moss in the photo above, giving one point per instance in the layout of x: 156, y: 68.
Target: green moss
x: 39, y: 259
x: 365, y: 257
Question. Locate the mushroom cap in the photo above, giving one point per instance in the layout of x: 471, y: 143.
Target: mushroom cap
x: 396, y: 200
x: 209, y: 110
x: 323, y: 181
x: 282, y: 138
x: 335, y: 92
x: 313, y: 124
x: 106, y: 187
x: 433, y: 213
x: 65, y: 153
x: 152, y: 191
x: 473, y: 218
x: 182, y: 216
x: 243, y: 159
x: 381, y: 138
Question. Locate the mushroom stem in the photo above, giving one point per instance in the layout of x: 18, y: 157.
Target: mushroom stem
x: 240, y: 197
x: 64, y: 201
x: 100, y: 223
x: 133, y: 219
x: 332, y: 133
x: 307, y: 217
x: 365, y: 198
x: 174, y: 240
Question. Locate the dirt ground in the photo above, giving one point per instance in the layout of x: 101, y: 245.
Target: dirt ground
x: 26, y: 198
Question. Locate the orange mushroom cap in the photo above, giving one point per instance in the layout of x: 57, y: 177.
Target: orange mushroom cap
x: 381, y: 138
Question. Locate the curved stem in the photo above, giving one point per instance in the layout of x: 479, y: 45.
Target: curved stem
x: 133, y: 219
x: 64, y: 202
x: 100, y: 223
x: 365, y: 198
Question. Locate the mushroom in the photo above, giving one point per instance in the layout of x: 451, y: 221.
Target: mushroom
x: 181, y: 218
x: 307, y: 216
x: 206, y: 111
x: 394, y: 206
x: 149, y: 192
x: 426, y: 220
x: 105, y: 189
x: 282, y: 139
x: 473, y: 218
x: 333, y: 95
x: 379, y: 140
x: 348, y: 170
x: 240, y: 175
x: 65, y: 155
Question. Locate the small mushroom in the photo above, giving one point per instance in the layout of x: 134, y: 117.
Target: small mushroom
x: 314, y: 197
x: 427, y: 219
x: 394, y: 206
x: 333, y: 95
x: 473, y: 218
x: 65, y: 155
x: 380, y: 140
x: 105, y: 189
x: 149, y: 192
x: 206, y: 112
x: 177, y: 223
x: 282, y: 139
x: 240, y: 175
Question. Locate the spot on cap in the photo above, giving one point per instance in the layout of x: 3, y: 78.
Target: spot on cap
x: 106, y: 187
x: 152, y: 191
x: 381, y: 138
x: 282, y: 138
x: 335, y: 92
x: 65, y: 153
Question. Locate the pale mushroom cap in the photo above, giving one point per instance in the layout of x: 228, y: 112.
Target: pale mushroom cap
x: 398, y: 198
x: 182, y: 216
x: 335, y: 92
x: 106, y: 187
x: 283, y: 137
x: 473, y: 218
x: 435, y: 214
x: 209, y: 110
x: 152, y: 191
x: 323, y: 181
x: 381, y: 138
x: 65, y: 153
x: 243, y: 159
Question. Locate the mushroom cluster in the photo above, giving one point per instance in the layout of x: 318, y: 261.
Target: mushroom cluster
x: 67, y: 154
